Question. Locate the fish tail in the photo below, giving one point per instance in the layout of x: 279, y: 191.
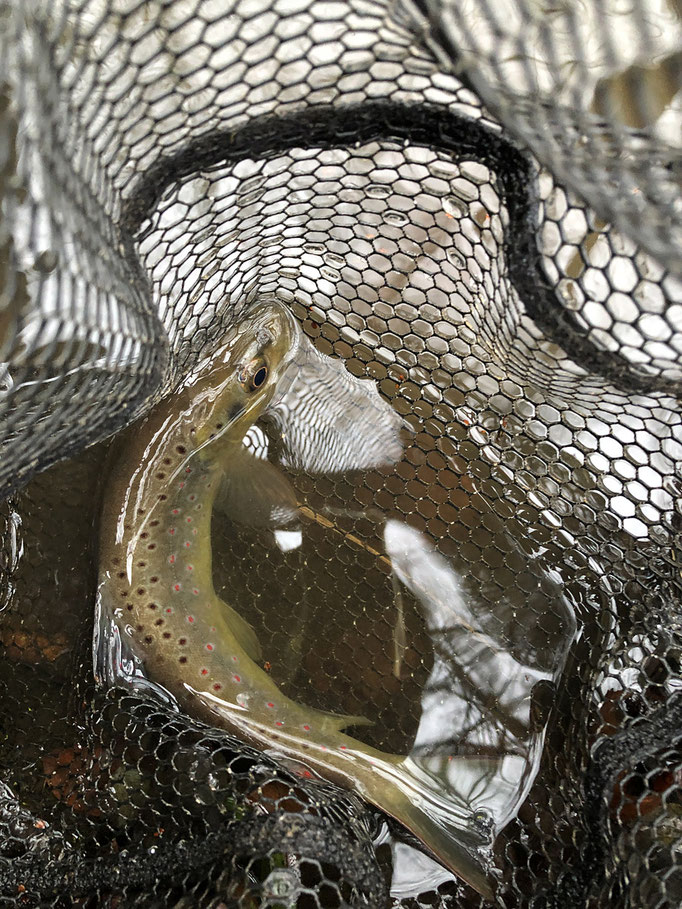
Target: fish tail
x: 454, y: 847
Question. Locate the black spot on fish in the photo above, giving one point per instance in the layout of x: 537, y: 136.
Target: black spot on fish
x: 236, y: 411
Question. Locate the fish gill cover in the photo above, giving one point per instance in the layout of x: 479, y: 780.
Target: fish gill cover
x: 457, y: 517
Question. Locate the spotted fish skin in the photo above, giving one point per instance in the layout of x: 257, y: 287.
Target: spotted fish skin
x: 155, y: 583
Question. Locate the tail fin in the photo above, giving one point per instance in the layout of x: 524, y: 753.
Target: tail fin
x: 422, y: 812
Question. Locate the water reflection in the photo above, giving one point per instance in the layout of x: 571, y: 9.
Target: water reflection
x: 480, y: 690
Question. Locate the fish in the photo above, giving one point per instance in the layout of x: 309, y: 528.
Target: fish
x: 158, y: 611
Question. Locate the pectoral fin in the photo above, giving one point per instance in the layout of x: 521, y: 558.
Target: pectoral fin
x: 243, y: 633
x: 337, y: 721
x: 255, y: 492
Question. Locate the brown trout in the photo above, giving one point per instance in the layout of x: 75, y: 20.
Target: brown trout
x: 156, y: 591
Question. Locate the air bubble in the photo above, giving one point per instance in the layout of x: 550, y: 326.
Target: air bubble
x: 378, y: 191
x: 398, y: 218
x: 454, y: 207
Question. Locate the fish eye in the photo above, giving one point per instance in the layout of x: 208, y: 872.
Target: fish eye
x: 253, y: 378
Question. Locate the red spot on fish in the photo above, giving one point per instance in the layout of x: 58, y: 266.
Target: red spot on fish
x: 171, y: 531
x: 187, y: 544
x: 194, y: 532
x: 169, y: 610
x: 217, y: 686
x: 343, y: 747
x: 189, y: 520
x: 190, y: 568
x: 237, y: 678
x: 306, y: 774
x: 278, y: 723
x: 190, y: 619
x: 176, y: 511
x: 181, y: 485
x: 188, y: 470
x: 195, y: 592
x: 323, y: 747
x: 204, y: 671
x: 172, y: 559
x: 192, y: 498
x: 270, y: 704
x: 177, y: 587
x: 209, y: 647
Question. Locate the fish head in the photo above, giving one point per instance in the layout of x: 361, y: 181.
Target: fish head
x: 231, y: 388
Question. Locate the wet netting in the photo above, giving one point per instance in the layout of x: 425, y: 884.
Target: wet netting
x: 457, y: 515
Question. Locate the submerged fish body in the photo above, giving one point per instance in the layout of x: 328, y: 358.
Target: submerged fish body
x: 156, y: 591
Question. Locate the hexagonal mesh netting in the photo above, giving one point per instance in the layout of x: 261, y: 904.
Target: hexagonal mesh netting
x: 451, y: 237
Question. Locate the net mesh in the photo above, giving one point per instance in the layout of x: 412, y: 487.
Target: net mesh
x: 478, y: 211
